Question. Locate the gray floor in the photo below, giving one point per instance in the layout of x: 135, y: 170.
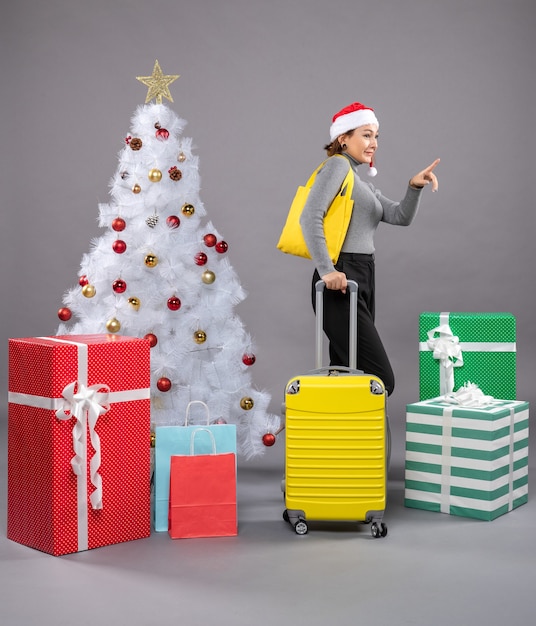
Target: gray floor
x: 430, y: 569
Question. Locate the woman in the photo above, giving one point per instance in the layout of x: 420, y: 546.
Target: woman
x: 354, y: 134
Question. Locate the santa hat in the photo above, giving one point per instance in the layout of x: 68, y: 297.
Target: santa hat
x: 353, y: 116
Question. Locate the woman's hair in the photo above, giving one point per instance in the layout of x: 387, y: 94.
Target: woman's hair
x: 335, y: 147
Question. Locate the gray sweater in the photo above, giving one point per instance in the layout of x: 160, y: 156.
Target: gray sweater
x: 370, y: 208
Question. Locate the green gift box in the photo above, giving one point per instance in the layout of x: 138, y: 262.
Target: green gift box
x: 471, y: 462
x: 456, y: 348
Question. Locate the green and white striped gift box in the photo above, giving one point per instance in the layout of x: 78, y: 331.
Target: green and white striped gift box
x: 471, y: 462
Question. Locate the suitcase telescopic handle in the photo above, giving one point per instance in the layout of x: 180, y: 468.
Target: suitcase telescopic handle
x: 352, y: 288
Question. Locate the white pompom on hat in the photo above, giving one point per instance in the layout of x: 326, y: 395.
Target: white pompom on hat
x: 353, y: 116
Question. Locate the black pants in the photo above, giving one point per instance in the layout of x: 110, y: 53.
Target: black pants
x: 371, y: 355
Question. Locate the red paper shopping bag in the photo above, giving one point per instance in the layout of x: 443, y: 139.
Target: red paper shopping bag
x: 202, y: 493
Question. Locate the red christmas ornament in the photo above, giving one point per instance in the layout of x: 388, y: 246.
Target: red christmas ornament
x: 174, y: 304
x: 83, y: 280
x: 119, y: 246
x: 162, y: 134
x: 248, y: 359
x: 152, y: 339
x: 118, y: 224
x: 268, y: 439
x: 173, y: 221
x: 163, y: 384
x: 222, y: 247
x: 119, y: 286
x: 64, y: 314
x: 200, y: 258
x: 210, y: 240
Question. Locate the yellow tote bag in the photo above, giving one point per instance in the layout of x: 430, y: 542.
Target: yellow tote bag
x: 336, y: 220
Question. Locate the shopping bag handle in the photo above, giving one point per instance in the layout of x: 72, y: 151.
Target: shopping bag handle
x: 188, y: 411
x: 192, y: 440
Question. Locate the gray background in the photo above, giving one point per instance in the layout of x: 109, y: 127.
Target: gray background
x: 259, y: 84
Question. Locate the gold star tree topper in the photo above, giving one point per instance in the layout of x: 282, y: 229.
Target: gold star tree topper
x: 158, y: 84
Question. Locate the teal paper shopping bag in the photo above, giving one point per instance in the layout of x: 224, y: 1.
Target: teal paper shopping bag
x: 175, y: 440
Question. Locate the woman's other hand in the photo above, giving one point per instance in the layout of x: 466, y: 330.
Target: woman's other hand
x: 426, y: 177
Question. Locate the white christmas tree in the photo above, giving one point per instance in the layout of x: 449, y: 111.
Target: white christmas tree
x: 162, y: 272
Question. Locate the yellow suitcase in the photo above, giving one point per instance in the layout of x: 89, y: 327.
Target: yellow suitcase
x: 336, y: 440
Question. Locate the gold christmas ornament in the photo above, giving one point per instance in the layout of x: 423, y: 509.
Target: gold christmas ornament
x: 151, y: 260
x: 155, y: 175
x: 208, y: 277
x: 200, y: 336
x: 88, y: 291
x: 136, y: 188
x: 181, y: 158
x: 246, y: 403
x: 158, y: 84
x: 188, y: 209
x: 134, y: 302
x: 153, y: 440
x: 113, y: 325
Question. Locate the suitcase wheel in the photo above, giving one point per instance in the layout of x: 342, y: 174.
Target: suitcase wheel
x: 301, y: 527
x: 297, y: 520
x: 378, y: 530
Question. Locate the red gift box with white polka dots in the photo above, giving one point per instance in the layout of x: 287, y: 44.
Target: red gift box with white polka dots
x: 78, y: 441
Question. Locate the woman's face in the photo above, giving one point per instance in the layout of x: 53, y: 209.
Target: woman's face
x: 362, y: 144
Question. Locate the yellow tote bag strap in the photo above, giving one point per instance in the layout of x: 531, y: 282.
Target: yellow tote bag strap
x: 347, y: 186
x: 348, y: 181
x: 312, y: 178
